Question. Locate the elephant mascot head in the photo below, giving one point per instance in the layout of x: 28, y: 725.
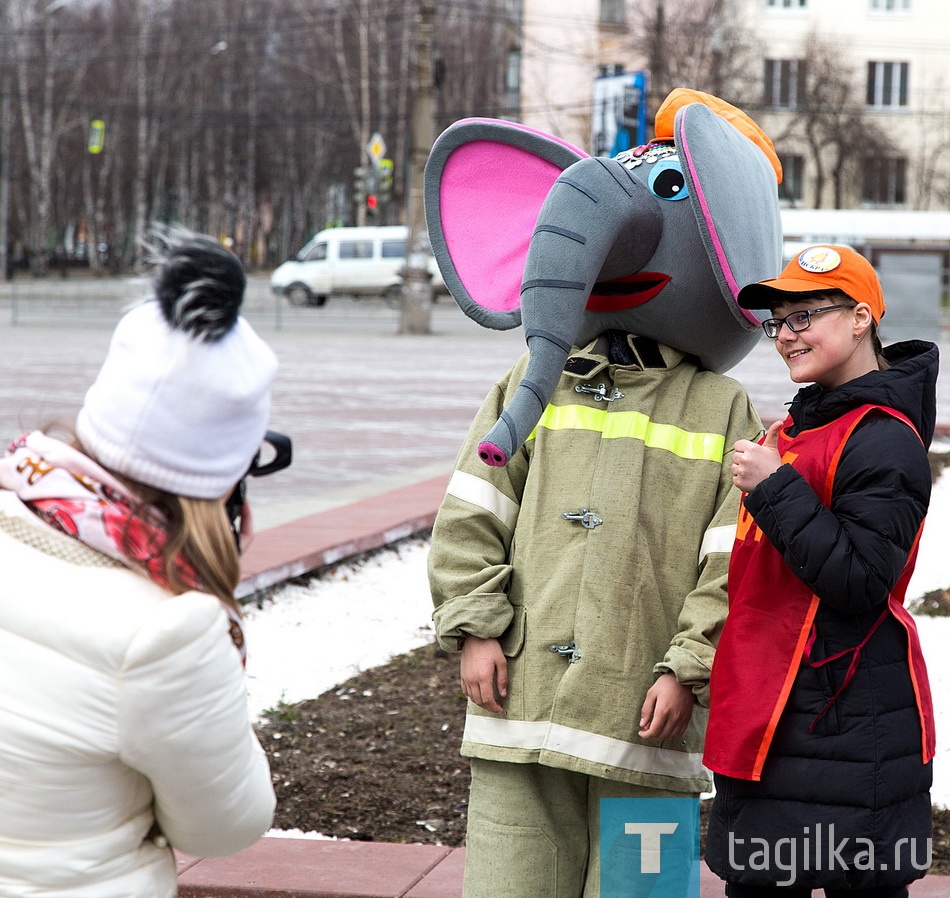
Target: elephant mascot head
x: 656, y: 241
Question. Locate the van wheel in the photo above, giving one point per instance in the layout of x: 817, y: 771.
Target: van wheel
x: 393, y: 296
x: 298, y: 295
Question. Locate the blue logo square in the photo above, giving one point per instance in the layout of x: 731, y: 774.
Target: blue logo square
x: 649, y: 848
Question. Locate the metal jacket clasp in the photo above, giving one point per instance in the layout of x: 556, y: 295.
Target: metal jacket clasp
x: 599, y: 392
x: 585, y: 517
x: 568, y: 651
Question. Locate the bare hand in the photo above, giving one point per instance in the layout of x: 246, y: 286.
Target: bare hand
x: 752, y: 463
x: 484, y: 673
x: 667, y: 709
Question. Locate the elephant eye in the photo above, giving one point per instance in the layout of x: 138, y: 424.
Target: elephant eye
x: 667, y: 181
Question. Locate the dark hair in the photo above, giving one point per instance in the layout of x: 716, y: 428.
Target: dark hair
x: 839, y: 297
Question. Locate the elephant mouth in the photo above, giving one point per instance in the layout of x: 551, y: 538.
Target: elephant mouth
x: 626, y: 292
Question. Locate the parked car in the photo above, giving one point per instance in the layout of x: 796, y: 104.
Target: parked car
x: 348, y: 262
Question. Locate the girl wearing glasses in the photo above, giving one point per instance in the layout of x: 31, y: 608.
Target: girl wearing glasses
x: 821, y: 724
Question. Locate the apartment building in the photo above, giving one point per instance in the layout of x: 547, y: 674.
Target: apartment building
x: 855, y: 93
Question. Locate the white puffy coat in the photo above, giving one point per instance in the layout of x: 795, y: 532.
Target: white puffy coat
x: 123, y: 713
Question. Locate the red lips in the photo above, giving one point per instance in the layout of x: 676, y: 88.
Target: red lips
x: 626, y: 292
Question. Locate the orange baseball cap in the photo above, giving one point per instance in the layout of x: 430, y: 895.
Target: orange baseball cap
x: 817, y: 270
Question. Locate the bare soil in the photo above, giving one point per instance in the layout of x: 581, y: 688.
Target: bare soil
x: 377, y: 759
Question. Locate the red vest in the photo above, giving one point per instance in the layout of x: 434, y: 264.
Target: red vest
x: 770, y: 618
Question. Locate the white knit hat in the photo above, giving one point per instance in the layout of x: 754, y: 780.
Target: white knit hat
x: 182, y: 406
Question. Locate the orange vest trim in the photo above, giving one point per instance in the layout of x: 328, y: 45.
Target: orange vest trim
x: 763, y: 642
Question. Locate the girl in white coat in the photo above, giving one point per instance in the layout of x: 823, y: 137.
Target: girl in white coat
x: 124, y: 730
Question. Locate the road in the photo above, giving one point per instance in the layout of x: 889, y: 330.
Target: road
x: 367, y: 409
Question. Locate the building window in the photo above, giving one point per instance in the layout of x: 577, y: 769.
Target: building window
x: 885, y: 181
x: 792, y: 188
x: 887, y: 84
x: 786, y: 4
x: 784, y: 83
x: 513, y: 81
x: 890, y: 5
x: 612, y: 12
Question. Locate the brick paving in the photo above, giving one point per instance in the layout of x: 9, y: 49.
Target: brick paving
x: 301, y: 868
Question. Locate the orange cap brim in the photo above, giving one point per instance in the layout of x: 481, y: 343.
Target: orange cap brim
x: 768, y: 293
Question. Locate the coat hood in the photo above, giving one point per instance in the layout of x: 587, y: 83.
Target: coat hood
x: 909, y: 386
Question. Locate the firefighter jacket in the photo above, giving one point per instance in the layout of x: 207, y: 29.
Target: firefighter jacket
x: 598, y: 557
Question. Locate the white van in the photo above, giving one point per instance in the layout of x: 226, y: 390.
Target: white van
x: 348, y: 262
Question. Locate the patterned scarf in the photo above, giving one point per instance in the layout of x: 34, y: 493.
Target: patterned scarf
x: 80, y: 498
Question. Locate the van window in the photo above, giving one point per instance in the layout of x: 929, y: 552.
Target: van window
x: 394, y: 249
x: 356, y: 249
x: 316, y: 253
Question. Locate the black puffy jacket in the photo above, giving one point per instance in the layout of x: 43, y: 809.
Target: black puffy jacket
x: 855, y: 774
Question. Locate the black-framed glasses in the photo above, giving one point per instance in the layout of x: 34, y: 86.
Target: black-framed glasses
x: 797, y: 321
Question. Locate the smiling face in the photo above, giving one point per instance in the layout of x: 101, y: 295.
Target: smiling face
x: 834, y: 348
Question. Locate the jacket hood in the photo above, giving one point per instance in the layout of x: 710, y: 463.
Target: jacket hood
x: 908, y: 386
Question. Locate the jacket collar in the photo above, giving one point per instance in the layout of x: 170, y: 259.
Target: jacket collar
x: 642, y: 354
x: 908, y: 386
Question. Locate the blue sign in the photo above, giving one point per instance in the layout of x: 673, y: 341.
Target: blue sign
x: 619, y: 119
x: 649, y: 848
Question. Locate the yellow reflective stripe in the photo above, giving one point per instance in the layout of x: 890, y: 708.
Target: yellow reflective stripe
x: 634, y: 425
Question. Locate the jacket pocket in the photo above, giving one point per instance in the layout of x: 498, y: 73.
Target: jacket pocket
x: 512, y: 640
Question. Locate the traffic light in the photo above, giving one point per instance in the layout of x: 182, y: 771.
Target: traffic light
x: 372, y: 204
x: 385, y: 170
x: 359, y: 185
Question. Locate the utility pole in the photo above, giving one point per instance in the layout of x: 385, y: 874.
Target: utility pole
x: 658, y: 83
x: 417, y: 288
x: 5, y: 128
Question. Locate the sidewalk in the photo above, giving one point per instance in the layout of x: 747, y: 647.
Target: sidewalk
x: 311, y: 868
x: 302, y: 868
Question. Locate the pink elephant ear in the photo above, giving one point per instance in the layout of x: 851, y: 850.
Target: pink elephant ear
x: 485, y: 182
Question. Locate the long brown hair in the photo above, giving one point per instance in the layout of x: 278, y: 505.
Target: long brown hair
x: 199, y: 531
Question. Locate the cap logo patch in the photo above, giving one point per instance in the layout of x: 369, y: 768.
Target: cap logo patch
x: 819, y: 259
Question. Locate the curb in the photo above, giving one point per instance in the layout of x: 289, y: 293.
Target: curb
x: 307, y: 544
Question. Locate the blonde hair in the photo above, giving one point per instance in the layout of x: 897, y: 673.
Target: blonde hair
x: 197, y: 530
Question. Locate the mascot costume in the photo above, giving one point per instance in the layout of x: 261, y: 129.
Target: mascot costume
x: 579, y: 558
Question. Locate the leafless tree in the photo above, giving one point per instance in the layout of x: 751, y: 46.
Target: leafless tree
x: 47, y: 72
x: 831, y: 121
x: 241, y: 119
x: 695, y: 43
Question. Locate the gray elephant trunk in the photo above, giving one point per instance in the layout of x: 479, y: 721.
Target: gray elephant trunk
x: 579, y: 235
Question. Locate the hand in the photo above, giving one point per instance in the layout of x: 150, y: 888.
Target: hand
x: 484, y: 673
x: 752, y: 463
x: 246, y: 533
x: 667, y: 710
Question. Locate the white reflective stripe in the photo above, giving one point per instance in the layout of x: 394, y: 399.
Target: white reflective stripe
x: 470, y: 488
x: 717, y: 539
x: 543, y: 736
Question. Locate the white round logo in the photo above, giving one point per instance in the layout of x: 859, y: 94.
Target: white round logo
x: 819, y: 259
